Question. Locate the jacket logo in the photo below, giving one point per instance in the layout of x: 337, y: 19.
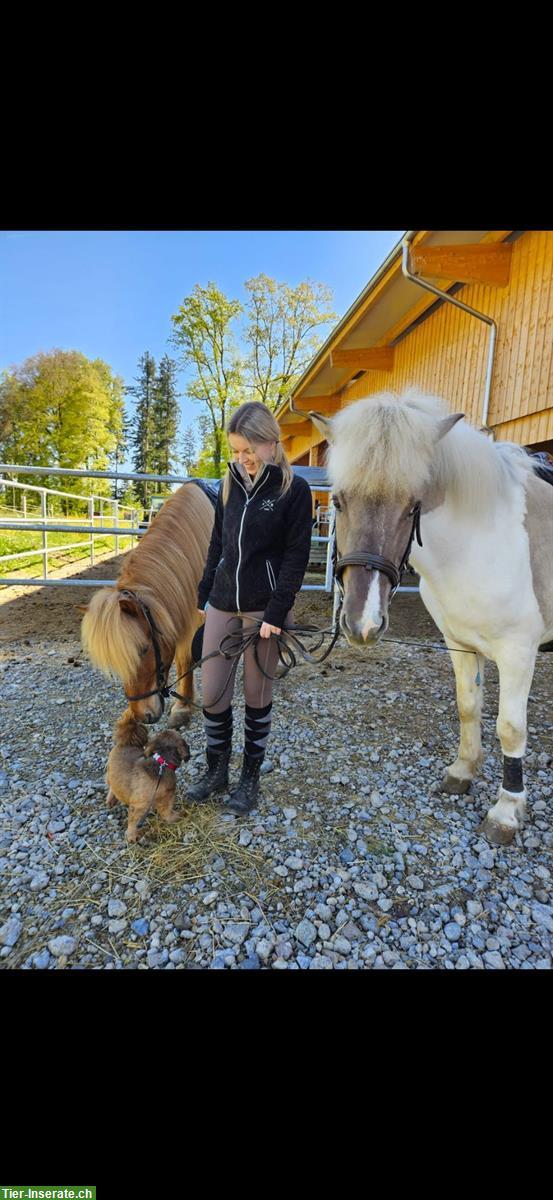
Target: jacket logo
x: 267, y: 505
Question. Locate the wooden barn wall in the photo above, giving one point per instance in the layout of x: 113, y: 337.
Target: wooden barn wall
x: 447, y: 353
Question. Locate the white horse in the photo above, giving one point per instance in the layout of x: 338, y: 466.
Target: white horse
x: 486, y: 559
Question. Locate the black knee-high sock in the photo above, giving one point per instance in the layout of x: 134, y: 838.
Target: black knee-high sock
x: 257, y: 728
x: 218, y: 730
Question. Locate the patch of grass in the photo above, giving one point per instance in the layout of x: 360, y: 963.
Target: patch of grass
x: 16, y: 541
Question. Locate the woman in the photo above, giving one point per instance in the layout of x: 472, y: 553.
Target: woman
x: 256, y: 562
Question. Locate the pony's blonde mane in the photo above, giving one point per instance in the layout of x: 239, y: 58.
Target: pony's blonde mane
x: 163, y: 571
x: 386, y: 447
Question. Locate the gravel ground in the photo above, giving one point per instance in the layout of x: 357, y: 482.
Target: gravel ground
x: 351, y: 861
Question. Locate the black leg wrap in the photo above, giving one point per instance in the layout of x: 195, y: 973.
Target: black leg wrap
x: 512, y: 774
x: 218, y: 730
x: 257, y: 728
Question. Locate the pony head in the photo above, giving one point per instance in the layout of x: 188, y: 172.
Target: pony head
x: 118, y: 639
x: 382, y: 460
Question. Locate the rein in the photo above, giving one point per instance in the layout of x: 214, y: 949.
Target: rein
x: 232, y: 647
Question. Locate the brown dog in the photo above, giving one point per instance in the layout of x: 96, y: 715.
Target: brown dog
x: 142, y: 773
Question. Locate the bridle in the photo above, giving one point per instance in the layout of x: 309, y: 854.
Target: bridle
x: 375, y: 562
x: 162, y: 690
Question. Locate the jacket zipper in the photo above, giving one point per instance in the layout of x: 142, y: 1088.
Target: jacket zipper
x: 271, y: 574
x: 248, y: 498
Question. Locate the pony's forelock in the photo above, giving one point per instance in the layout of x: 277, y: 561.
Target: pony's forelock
x: 388, y: 447
x: 111, y: 638
x: 382, y: 447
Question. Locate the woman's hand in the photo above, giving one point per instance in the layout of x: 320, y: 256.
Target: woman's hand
x: 266, y: 630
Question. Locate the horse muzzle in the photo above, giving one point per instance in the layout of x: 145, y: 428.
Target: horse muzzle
x: 364, y: 634
x: 148, y: 711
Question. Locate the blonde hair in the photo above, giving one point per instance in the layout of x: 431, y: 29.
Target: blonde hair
x: 254, y: 422
x: 389, y: 446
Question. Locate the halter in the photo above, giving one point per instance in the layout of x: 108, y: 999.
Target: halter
x: 375, y: 562
x: 161, y: 677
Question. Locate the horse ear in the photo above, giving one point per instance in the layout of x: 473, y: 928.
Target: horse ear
x: 447, y: 423
x: 81, y: 607
x: 323, y: 425
x: 128, y: 605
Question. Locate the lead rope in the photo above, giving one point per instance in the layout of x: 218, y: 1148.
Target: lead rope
x: 152, y: 800
x: 233, y: 646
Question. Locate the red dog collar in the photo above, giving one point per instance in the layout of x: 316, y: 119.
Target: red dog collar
x: 162, y: 763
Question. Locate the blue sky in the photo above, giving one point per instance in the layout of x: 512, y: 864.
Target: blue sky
x: 110, y: 294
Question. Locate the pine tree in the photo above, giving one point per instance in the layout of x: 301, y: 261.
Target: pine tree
x: 188, y: 449
x: 142, y: 435
x: 120, y: 486
x: 165, y: 420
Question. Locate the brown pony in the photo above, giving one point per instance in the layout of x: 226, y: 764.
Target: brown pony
x: 162, y: 574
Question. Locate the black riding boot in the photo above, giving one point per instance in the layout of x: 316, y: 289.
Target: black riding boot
x: 215, y: 778
x: 245, y: 796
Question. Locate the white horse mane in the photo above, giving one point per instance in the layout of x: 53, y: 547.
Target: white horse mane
x: 386, y: 446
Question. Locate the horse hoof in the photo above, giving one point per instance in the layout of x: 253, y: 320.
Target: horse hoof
x: 179, y: 718
x: 455, y: 787
x: 501, y: 835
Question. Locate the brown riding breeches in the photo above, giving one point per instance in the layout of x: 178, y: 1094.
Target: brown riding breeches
x: 258, y: 690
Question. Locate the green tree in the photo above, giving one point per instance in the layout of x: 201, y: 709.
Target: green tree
x: 206, y: 467
x: 165, y: 419
x: 202, y: 332
x: 188, y: 450
x: 23, y: 425
x: 281, y: 333
x: 62, y: 409
x: 142, y: 433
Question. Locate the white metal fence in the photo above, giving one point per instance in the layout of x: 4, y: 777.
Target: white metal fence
x: 46, y: 525
x: 93, y: 523
x: 49, y: 524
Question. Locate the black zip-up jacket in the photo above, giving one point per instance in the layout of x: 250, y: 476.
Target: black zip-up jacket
x: 259, y: 547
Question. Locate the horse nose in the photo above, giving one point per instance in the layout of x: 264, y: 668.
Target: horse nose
x: 351, y: 630
x: 375, y: 632
x: 364, y: 635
